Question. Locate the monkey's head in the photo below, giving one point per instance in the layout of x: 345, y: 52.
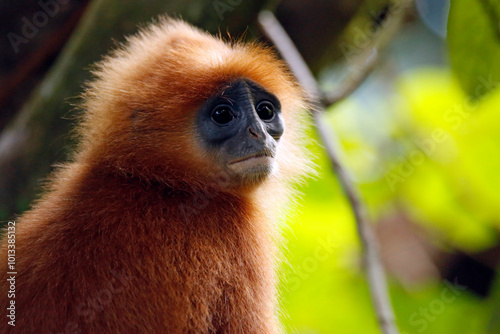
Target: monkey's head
x: 177, y: 105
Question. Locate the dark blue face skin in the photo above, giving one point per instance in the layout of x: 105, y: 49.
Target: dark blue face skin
x: 241, y: 127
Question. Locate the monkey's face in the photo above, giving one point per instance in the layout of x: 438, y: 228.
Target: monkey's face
x: 240, y: 127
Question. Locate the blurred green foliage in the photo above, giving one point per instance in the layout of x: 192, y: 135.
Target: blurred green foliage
x: 474, y: 42
x: 433, y: 156
x: 442, y: 172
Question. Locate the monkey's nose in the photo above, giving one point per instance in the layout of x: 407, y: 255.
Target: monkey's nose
x: 256, y: 131
x: 253, y: 133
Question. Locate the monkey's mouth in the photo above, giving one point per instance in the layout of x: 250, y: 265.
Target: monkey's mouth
x: 259, y: 164
x: 260, y: 157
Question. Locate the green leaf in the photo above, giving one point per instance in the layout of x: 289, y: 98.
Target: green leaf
x: 474, y: 44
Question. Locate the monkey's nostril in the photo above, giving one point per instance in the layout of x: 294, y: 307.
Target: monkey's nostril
x: 253, y: 133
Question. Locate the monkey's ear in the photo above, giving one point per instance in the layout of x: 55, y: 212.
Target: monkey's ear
x: 136, y: 115
x: 144, y: 121
x: 140, y: 119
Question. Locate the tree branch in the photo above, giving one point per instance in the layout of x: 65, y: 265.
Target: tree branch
x: 275, y: 32
x: 368, y: 57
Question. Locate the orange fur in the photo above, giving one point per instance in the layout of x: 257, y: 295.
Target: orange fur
x: 141, y: 233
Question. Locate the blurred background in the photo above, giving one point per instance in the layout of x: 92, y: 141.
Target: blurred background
x: 421, y: 138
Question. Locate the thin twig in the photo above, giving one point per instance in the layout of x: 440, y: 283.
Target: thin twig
x: 367, y: 59
x: 358, y: 75
x: 273, y: 29
x: 375, y: 272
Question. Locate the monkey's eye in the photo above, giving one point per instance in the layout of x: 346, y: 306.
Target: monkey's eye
x: 222, y: 115
x: 265, y: 110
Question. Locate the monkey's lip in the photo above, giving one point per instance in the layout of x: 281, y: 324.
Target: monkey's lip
x: 264, y: 156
